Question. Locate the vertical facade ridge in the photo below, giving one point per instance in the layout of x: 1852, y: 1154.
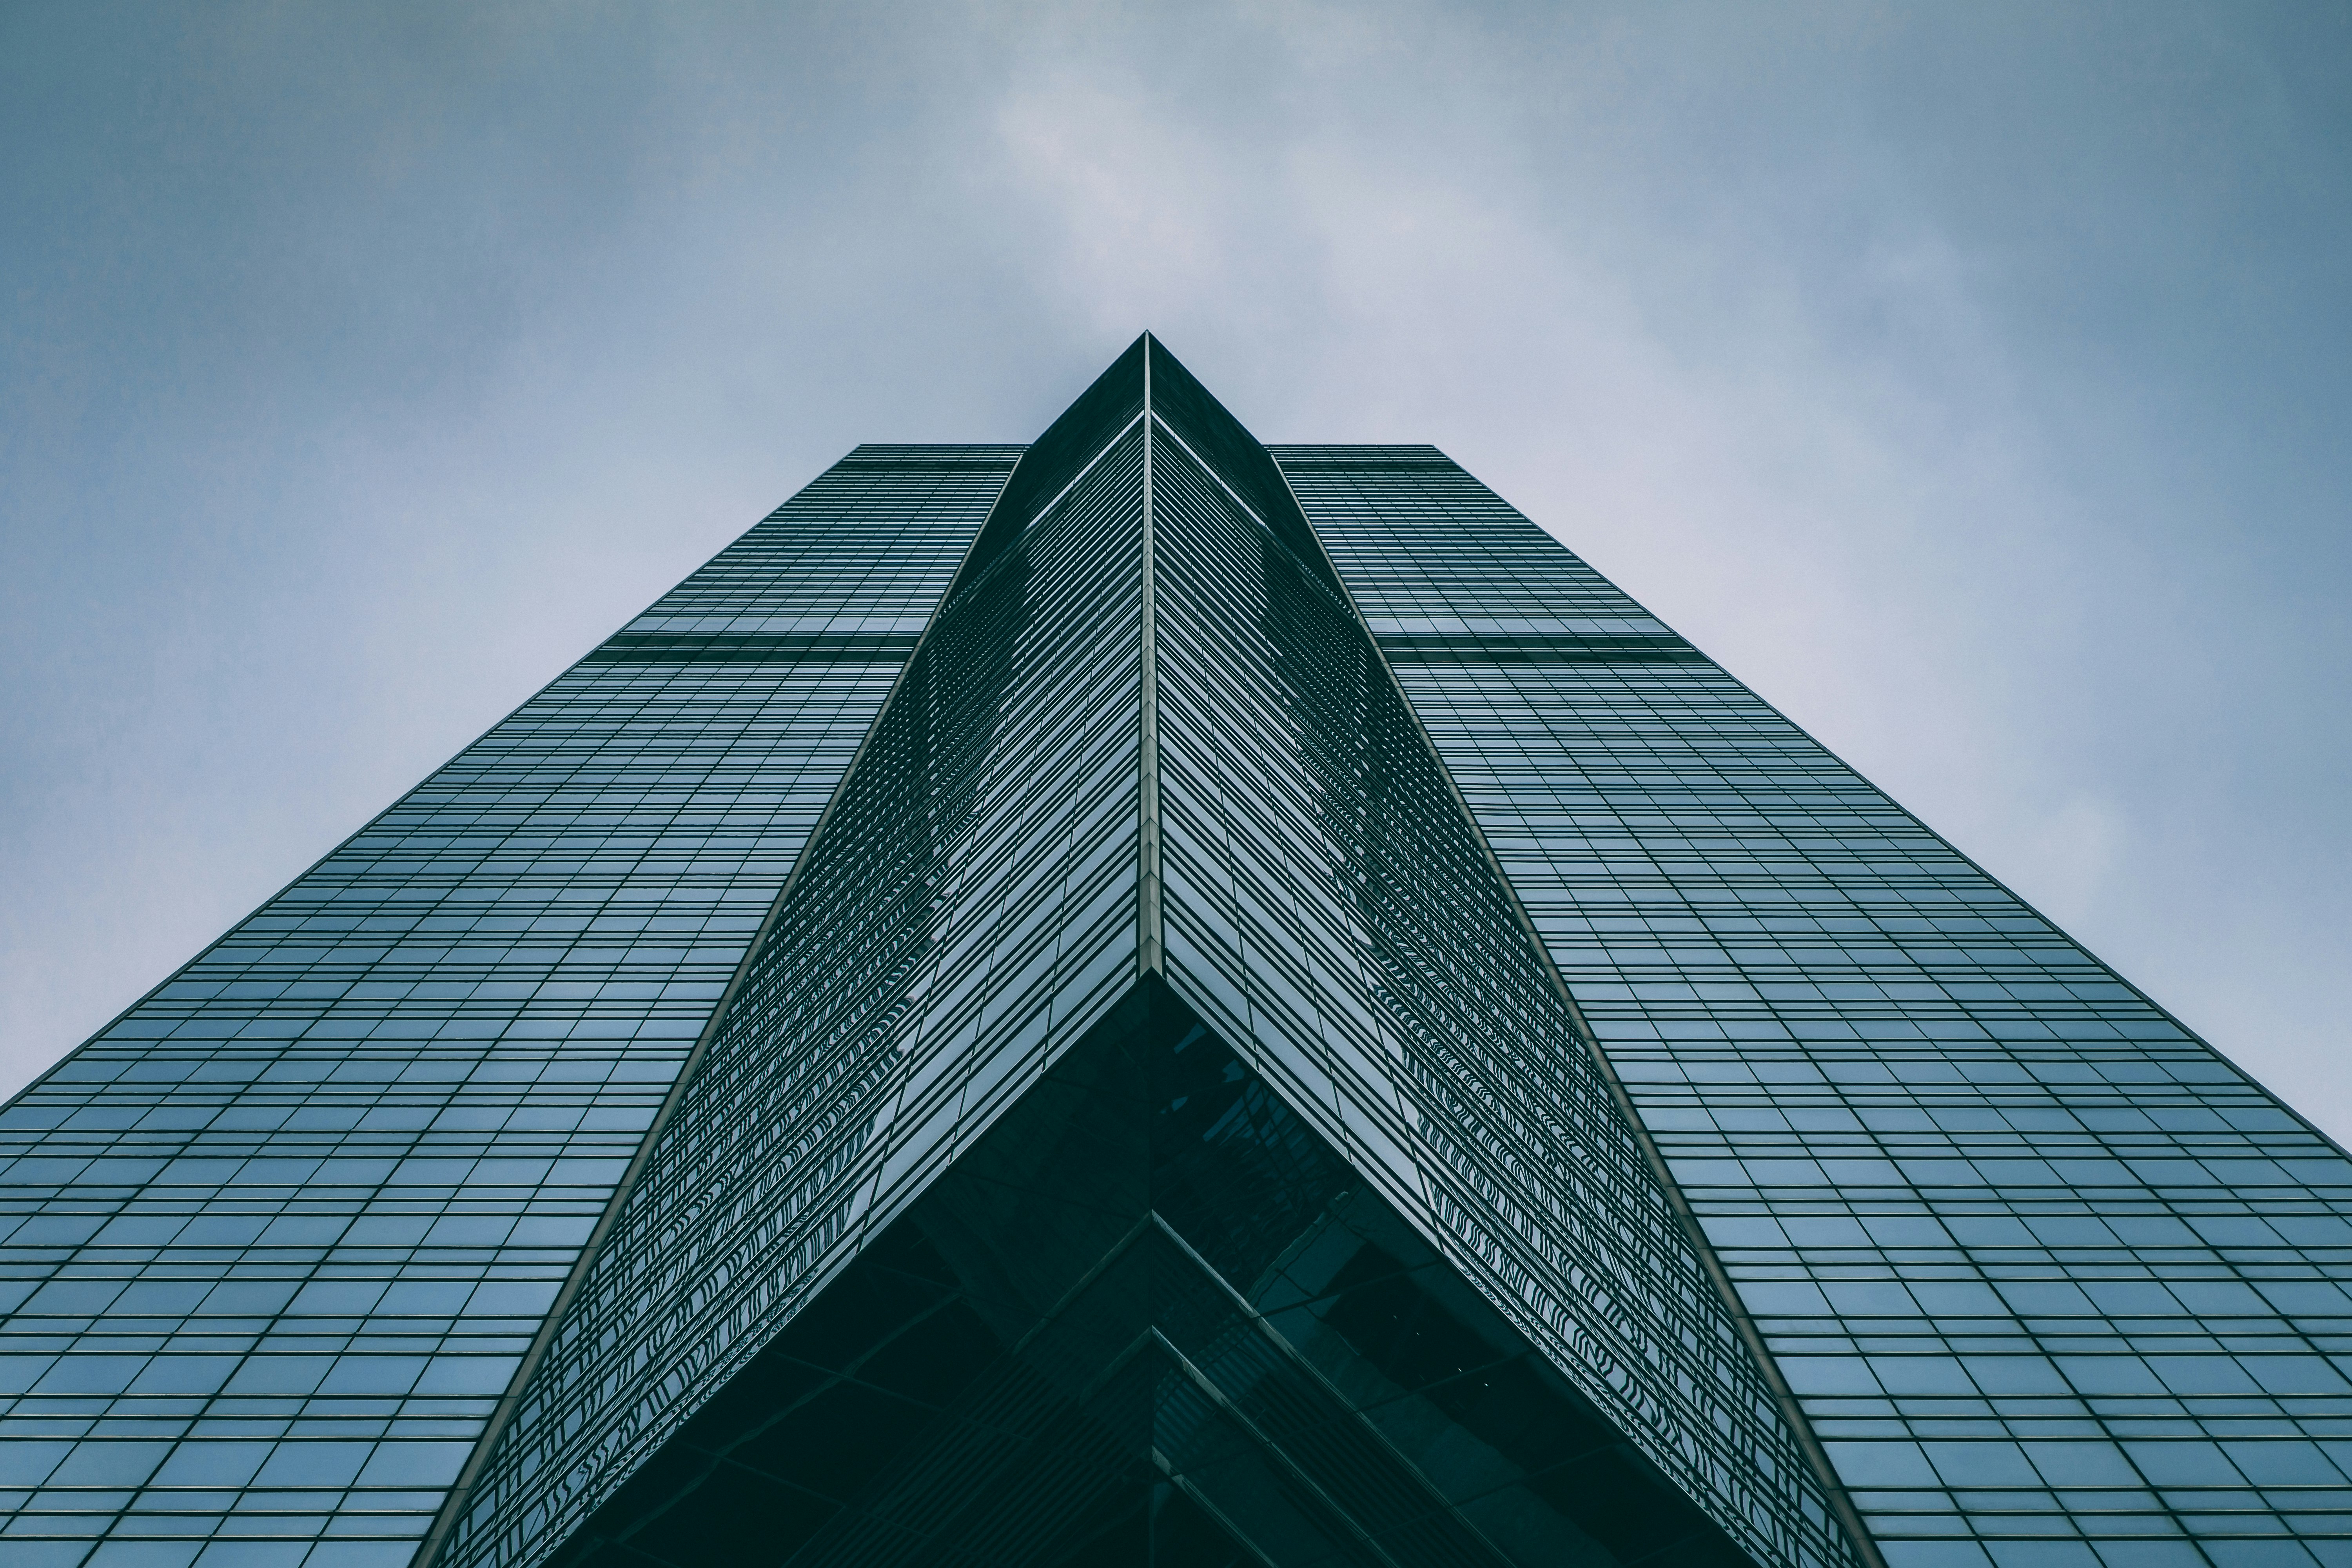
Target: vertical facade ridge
x: 1147, y: 923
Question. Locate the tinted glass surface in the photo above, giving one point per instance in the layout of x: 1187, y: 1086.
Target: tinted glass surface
x: 2058, y: 1284
x: 1329, y: 909
x: 273, y: 1243
x: 2055, y: 1283
x: 970, y: 906
x: 966, y: 912
x: 1148, y: 1317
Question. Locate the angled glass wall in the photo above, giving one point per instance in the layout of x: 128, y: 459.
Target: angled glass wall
x: 1145, y: 751
x: 966, y: 912
x: 273, y: 1243
x: 1147, y: 1317
x: 1330, y: 909
x: 2058, y: 1285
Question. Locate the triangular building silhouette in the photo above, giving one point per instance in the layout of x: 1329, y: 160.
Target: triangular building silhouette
x: 1029, y: 1013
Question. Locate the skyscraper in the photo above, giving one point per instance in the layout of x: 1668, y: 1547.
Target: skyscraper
x: 1153, y: 999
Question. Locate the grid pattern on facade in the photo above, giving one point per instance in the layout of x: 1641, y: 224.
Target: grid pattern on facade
x: 2058, y: 1285
x: 967, y: 908
x: 970, y: 906
x: 1148, y: 1317
x: 272, y: 1244
x: 1329, y: 909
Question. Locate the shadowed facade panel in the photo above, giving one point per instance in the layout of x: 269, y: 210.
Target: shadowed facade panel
x: 1148, y: 1317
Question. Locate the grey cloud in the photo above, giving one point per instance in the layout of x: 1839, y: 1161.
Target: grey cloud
x: 1968, y: 379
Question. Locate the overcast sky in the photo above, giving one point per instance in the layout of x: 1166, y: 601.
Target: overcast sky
x: 1973, y: 379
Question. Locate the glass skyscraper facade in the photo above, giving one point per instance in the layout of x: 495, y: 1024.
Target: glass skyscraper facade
x: 1147, y: 998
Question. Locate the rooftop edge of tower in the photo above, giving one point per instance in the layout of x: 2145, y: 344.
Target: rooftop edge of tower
x: 1145, y: 378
